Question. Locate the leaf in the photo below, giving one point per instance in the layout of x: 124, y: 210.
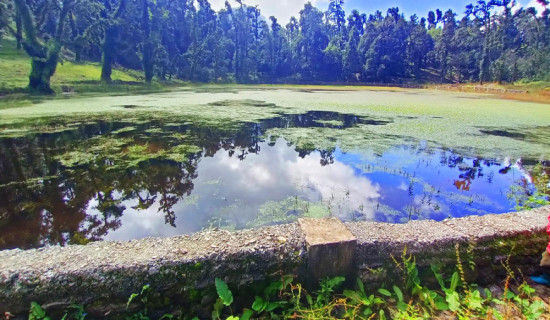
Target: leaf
x: 438, y: 276
x: 509, y: 295
x: 247, y: 314
x: 453, y: 299
x: 232, y: 318
x: 336, y: 281
x: 454, y: 281
x: 475, y: 300
x: 441, y: 306
x: 382, y: 315
x: 258, y: 304
x: 354, y: 296
x: 402, y: 306
x: 273, y: 288
x: 271, y: 306
x: 367, y: 312
x: 309, y: 300
x: 398, y: 293
x: 145, y: 289
x: 132, y: 297
x: 287, y: 280
x: 384, y: 292
x: 218, y: 306
x: 360, y: 285
x: 223, y: 292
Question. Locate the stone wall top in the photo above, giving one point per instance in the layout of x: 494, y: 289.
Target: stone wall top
x: 105, y: 270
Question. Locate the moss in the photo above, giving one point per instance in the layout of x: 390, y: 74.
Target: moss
x: 445, y: 119
x: 333, y: 123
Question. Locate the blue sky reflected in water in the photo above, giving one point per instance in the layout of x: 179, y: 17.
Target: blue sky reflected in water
x: 403, y: 183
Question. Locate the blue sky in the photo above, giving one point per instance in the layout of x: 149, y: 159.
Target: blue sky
x: 420, y: 7
x: 284, y: 9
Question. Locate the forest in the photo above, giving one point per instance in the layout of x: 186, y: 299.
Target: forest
x: 491, y: 41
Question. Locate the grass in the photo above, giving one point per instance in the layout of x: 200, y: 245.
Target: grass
x: 536, y: 91
x: 80, y: 77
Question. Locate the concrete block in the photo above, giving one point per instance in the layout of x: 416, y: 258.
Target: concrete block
x: 330, y: 249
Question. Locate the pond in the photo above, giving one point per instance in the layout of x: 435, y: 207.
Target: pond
x: 173, y: 164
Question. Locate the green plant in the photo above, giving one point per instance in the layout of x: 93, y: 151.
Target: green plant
x: 226, y: 299
x: 325, y: 293
x: 145, y: 297
x: 529, y: 196
x: 37, y: 313
x: 75, y: 312
x: 363, y: 303
x: 407, y: 298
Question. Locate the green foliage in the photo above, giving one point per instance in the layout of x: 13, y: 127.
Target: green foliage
x: 37, y: 313
x: 143, y: 297
x: 283, y: 299
x: 173, y: 40
x: 532, y: 195
x: 73, y: 312
x: 223, y: 292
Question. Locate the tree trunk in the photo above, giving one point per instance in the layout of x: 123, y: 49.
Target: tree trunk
x: 148, y: 61
x: 147, y: 45
x: 42, y: 71
x: 75, y: 38
x: 109, y: 53
x: 18, y: 30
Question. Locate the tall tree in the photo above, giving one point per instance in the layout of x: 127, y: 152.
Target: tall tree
x: 147, y: 44
x: 313, y: 41
x: 482, y: 12
x: 44, y: 51
x: 336, y: 14
x: 444, y: 47
x: 351, y: 63
x: 111, y: 14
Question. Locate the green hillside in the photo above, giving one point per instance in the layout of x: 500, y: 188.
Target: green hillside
x: 15, y: 66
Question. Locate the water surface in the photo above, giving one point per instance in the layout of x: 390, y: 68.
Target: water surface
x: 116, y: 180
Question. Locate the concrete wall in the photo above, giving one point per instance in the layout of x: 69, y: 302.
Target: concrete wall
x: 105, y: 272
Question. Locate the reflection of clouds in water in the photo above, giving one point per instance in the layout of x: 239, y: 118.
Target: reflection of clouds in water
x: 338, y: 185
x: 274, y: 174
x: 403, y: 186
x: 279, y: 168
x: 138, y: 224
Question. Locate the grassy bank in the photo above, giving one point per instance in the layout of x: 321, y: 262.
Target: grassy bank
x: 70, y: 77
x: 85, y: 78
x: 538, y: 91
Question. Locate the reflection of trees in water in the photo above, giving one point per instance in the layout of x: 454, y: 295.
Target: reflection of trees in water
x: 45, y: 203
x: 68, y: 205
x: 469, y: 173
x: 56, y: 210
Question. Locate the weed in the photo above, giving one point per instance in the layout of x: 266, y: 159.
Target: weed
x: 408, y: 298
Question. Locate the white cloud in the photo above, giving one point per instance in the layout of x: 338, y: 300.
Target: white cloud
x: 281, y: 9
x: 529, y: 3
